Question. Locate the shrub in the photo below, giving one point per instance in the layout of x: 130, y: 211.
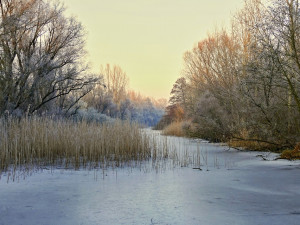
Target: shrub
x: 174, y: 129
x: 291, y: 154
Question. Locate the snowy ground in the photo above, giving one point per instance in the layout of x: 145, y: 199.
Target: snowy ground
x: 232, y: 188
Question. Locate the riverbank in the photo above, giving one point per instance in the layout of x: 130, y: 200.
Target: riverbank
x: 232, y: 187
x: 189, y: 130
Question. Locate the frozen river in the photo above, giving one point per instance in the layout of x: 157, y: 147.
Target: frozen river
x: 232, y: 188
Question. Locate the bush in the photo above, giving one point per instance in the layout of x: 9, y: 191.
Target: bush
x: 174, y: 129
x: 291, y: 154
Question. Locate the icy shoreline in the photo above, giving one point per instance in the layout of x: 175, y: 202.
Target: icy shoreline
x: 232, y: 188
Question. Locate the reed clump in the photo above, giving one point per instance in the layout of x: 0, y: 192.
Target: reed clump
x: 37, y: 142
x: 174, y: 129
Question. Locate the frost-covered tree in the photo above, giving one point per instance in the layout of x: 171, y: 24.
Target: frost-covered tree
x: 244, y: 83
x: 41, y: 56
x: 273, y: 75
x: 178, y: 92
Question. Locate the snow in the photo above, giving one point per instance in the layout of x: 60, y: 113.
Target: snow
x: 232, y: 188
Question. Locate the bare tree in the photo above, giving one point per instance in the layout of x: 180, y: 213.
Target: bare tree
x: 41, y: 56
x: 212, y: 69
x: 273, y: 81
x: 116, y: 82
x: 245, y: 83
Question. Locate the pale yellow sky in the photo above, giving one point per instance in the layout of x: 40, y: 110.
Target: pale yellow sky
x: 147, y: 38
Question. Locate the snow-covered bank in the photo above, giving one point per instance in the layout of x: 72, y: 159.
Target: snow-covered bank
x: 232, y: 188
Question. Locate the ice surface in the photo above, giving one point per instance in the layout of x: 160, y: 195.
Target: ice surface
x: 232, y: 188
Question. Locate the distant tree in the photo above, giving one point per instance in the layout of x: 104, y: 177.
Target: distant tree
x: 160, y: 103
x: 175, y: 111
x: 126, y: 108
x: 116, y: 82
x: 178, y: 93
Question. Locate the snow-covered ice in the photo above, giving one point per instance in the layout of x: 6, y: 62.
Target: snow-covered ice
x: 232, y: 188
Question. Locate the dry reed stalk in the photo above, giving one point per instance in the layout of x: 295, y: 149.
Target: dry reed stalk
x: 35, y: 142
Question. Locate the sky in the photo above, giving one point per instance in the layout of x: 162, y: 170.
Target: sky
x: 147, y: 38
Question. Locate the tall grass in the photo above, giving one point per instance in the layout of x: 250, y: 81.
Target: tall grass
x: 37, y: 142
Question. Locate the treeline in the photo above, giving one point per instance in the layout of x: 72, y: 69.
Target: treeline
x: 112, y: 99
x: 242, y: 85
x: 43, y: 69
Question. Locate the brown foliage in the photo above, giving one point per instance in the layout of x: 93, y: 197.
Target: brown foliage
x: 292, y: 154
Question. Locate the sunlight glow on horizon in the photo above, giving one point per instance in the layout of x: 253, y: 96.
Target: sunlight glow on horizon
x: 147, y: 38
